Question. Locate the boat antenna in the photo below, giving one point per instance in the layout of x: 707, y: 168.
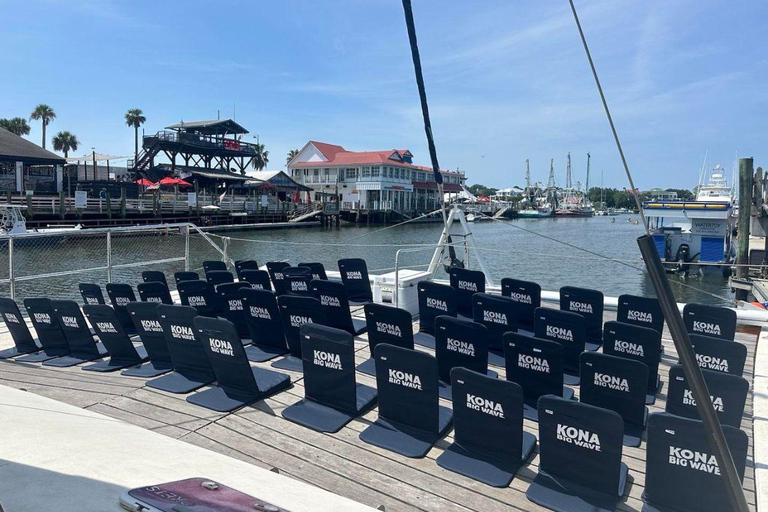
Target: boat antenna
x: 588, y: 158
x: 702, y: 171
x: 658, y: 275
x: 409, y: 23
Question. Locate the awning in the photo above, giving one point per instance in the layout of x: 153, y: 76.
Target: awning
x: 100, y: 157
x: 431, y: 185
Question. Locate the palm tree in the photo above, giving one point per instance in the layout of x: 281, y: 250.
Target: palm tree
x: 135, y: 117
x: 45, y: 114
x: 291, y: 155
x: 65, y: 142
x: 17, y: 125
x: 261, y: 159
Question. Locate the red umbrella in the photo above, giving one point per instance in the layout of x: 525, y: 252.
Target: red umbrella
x: 309, y: 198
x: 145, y: 182
x: 296, y: 197
x: 174, y: 181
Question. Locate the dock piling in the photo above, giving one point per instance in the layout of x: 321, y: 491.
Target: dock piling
x: 746, y: 177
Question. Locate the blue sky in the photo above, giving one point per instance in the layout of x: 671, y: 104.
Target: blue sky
x: 506, y: 80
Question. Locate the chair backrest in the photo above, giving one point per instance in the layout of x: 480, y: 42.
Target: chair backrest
x: 262, y: 316
x: 154, y: 276
x: 714, y: 321
x: 241, y: 265
x: 527, y: 294
x: 146, y: 319
x: 275, y: 269
x: 120, y: 294
x: 328, y: 357
x: 681, y: 471
x: 154, y: 291
x: 185, y: 276
x: 217, y: 277
x: 535, y: 364
x: 296, y: 311
x: 231, y: 301
x: 354, y: 275
x: 318, y: 269
x: 632, y: 341
x: 615, y: 383
x: 75, y: 329
x: 568, y: 329
x: 727, y: 392
x: 460, y: 343
x: 407, y: 384
x: 434, y: 300
x: 221, y: 343
x: 497, y: 314
x: 297, y: 280
x: 104, y: 322
x: 589, y: 304
x: 16, y: 325
x: 46, y: 326
x: 333, y: 304
x: 201, y: 296
x: 258, y: 279
x: 466, y: 283
x: 91, y: 293
x: 716, y: 355
x: 187, y: 353
x: 580, y: 442
x: 487, y: 414
x: 387, y: 324
x: 643, y: 311
x: 213, y: 265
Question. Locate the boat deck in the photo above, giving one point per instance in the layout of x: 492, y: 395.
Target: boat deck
x: 341, y: 462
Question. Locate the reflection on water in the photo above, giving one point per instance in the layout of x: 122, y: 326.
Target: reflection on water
x: 507, y: 252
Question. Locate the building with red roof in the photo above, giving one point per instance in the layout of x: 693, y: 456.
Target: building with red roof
x: 370, y: 180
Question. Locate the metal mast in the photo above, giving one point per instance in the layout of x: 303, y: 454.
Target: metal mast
x: 527, y: 175
x: 568, y: 184
x: 588, y: 158
x: 551, y: 181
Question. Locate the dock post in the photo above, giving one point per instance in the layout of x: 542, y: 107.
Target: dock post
x: 746, y: 177
x: 123, y: 202
x: 108, y: 197
x: 61, y: 205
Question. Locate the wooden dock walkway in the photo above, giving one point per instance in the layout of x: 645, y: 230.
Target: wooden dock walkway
x: 341, y: 462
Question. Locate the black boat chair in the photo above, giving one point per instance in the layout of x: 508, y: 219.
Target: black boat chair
x: 318, y: 270
x: 580, y: 447
x: 643, y: 344
x: 589, y: 304
x: 122, y: 353
x: 332, y: 396
x: 213, y: 265
x: 155, y: 276
x: 231, y: 301
x: 257, y: 279
x: 460, y: 343
x: 91, y: 293
x: 217, y: 277
x: 568, y: 329
x: 386, y: 324
x: 185, y: 276
x: 238, y: 383
x: 147, y: 322
x: 728, y: 393
x: 49, y: 334
x: 714, y: 321
x: 23, y: 342
x: 297, y: 281
x: 466, y: 283
x: 120, y: 294
x: 201, y: 296
x: 537, y: 366
x: 489, y: 442
x: 82, y: 346
x: 642, y: 311
x: 499, y: 316
x: 296, y: 311
x: 411, y: 419
x: 434, y: 300
x: 154, y: 291
x: 618, y: 384
x: 262, y: 317
x: 527, y: 295
x: 713, y: 354
x: 354, y: 275
x: 241, y: 265
x: 334, y: 306
x: 275, y: 269
x: 191, y: 366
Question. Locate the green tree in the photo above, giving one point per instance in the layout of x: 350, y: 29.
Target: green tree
x: 291, y: 155
x: 682, y: 194
x: 481, y: 190
x: 65, y: 142
x: 17, y: 125
x: 261, y: 158
x: 135, y: 118
x: 45, y: 115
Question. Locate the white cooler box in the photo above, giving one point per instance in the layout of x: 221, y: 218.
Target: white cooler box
x: 408, y: 293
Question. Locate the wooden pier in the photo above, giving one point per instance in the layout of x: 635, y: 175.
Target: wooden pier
x: 341, y: 462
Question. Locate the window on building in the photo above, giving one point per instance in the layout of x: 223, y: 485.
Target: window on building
x: 375, y: 171
x: 366, y: 172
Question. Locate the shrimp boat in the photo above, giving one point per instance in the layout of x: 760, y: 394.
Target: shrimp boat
x: 695, y: 237
x: 536, y: 204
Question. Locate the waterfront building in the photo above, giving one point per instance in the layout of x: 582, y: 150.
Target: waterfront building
x: 26, y: 166
x: 370, y: 180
